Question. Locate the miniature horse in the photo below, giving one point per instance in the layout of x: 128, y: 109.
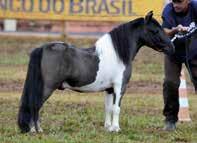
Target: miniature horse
x: 105, y: 67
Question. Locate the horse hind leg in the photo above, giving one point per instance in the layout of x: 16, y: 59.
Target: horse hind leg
x: 35, y: 125
x: 38, y: 127
x: 32, y: 126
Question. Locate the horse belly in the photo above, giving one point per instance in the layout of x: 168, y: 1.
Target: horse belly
x: 97, y: 85
x: 107, y: 74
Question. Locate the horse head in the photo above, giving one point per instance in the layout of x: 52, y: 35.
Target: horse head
x: 155, y: 37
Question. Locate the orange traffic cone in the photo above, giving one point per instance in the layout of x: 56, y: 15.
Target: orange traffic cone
x: 183, y: 100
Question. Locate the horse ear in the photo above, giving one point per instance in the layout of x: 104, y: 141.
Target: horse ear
x: 148, y: 16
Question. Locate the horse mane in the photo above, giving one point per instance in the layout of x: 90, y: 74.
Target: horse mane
x: 121, y: 38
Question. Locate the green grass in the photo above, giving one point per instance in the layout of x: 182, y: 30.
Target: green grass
x: 13, y: 73
x: 70, y: 117
x: 19, y: 58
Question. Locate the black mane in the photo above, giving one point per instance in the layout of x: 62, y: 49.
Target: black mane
x: 121, y: 38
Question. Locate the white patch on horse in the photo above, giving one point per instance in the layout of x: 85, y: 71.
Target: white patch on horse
x: 110, y: 70
x: 108, y: 110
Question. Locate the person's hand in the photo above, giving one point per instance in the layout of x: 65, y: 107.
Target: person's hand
x: 180, y: 28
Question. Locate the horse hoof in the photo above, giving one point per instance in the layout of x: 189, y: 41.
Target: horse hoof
x: 40, y: 130
x: 33, y: 130
x: 114, y: 129
x: 107, y: 126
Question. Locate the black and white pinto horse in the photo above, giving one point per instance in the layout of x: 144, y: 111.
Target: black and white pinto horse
x: 104, y: 67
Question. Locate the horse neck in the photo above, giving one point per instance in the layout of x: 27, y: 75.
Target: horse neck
x: 137, y: 40
x: 126, y: 40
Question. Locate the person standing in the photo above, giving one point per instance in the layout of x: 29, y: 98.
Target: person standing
x: 177, y: 16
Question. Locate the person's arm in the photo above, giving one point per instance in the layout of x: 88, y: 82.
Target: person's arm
x: 174, y: 30
x: 170, y: 32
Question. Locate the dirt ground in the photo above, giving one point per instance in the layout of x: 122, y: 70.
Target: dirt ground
x: 133, y: 87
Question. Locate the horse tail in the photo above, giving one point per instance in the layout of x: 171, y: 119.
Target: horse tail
x: 31, y: 99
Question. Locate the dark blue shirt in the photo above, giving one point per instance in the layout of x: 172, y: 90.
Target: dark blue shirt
x: 172, y: 19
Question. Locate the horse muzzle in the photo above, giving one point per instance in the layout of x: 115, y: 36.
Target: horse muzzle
x: 170, y: 49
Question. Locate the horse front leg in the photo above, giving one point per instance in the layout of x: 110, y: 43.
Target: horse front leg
x: 116, y: 109
x: 108, y: 107
x: 119, y: 90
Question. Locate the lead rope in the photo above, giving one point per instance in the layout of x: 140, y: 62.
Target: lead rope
x: 191, y: 29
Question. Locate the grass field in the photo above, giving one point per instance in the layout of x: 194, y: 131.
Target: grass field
x: 71, y: 117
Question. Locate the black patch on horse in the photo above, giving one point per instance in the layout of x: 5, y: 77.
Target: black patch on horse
x: 121, y: 38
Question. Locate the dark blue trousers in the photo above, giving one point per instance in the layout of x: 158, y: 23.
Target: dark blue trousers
x: 172, y: 68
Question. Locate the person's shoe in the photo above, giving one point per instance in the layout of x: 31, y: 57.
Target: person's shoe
x: 169, y: 126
